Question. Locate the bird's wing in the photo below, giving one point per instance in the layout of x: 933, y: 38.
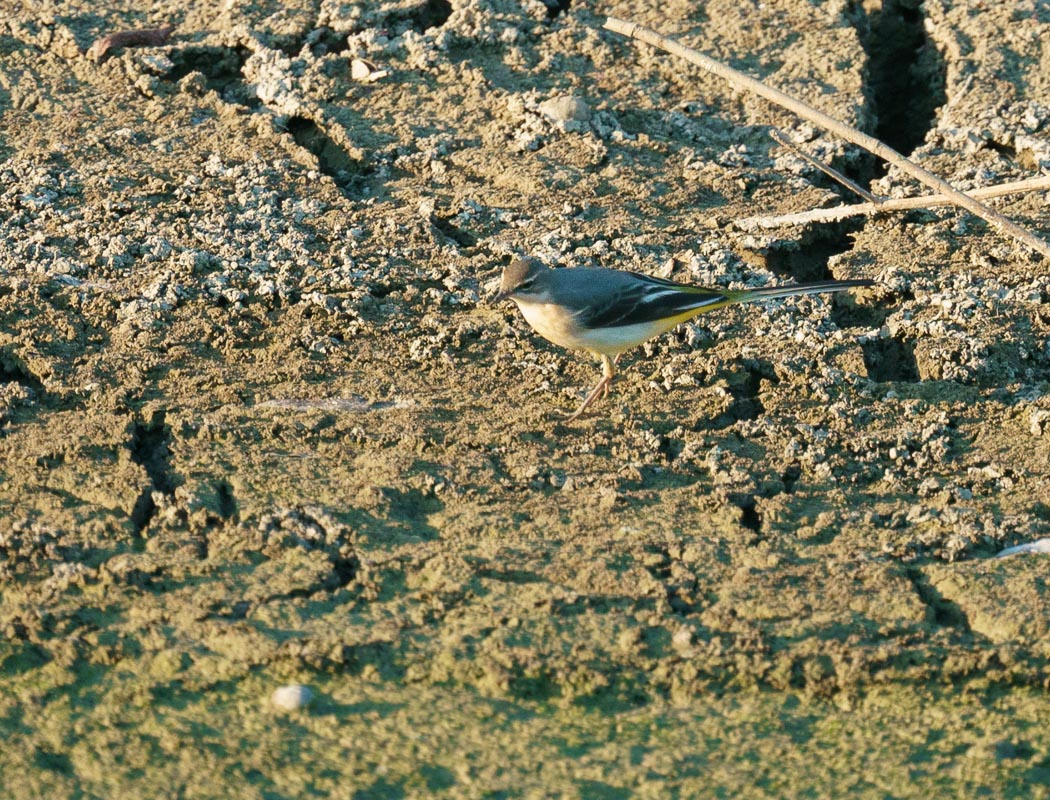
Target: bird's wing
x: 629, y: 298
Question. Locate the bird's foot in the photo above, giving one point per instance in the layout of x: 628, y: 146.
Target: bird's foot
x: 601, y: 390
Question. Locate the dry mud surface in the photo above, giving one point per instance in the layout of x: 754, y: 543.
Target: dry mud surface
x: 260, y: 427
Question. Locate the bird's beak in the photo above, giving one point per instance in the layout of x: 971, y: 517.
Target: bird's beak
x: 498, y: 297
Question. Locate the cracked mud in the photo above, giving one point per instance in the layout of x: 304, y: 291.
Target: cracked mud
x: 260, y: 428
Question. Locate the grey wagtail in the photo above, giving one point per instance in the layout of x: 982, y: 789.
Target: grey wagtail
x: 608, y: 311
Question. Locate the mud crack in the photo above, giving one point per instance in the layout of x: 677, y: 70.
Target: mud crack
x: 808, y: 259
x: 221, y: 69
x: 332, y: 159
x: 555, y: 8
x: 150, y: 447
x: 749, y: 516
x: 431, y: 14
x: 891, y: 360
x: 14, y: 370
x: 745, y: 389
x: 906, y: 75
x: 225, y: 499
x: 946, y: 613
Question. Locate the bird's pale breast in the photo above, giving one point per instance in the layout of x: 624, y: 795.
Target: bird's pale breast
x: 556, y: 325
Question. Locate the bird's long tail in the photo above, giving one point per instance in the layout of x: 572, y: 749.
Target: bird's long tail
x: 773, y: 292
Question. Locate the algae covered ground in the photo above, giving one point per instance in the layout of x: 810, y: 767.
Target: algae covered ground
x: 259, y: 425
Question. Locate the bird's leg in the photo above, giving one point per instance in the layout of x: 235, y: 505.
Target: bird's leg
x: 601, y: 389
x: 608, y: 372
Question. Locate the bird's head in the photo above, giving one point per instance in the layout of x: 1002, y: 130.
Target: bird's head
x: 520, y: 279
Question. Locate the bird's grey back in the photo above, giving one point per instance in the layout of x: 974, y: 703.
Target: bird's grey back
x: 587, y: 286
x: 611, y: 298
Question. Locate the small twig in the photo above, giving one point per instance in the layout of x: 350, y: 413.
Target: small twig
x: 890, y: 204
x: 869, y: 143
x: 827, y: 169
x: 150, y: 37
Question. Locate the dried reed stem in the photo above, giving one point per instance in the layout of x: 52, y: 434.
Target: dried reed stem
x: 890, y: 204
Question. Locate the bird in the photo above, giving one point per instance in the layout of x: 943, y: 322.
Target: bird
x: 608, y: 311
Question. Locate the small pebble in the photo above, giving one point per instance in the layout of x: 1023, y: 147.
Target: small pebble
x: 291, y: 697
x: 682, y: 639
x: 361, y: 69
x: 566, y: 108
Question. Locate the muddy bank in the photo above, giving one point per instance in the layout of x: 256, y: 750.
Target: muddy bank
x: 259, y: 425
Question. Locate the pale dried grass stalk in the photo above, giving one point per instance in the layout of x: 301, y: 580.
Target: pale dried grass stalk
x: 827, y: 169
x: 1041, y: 183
